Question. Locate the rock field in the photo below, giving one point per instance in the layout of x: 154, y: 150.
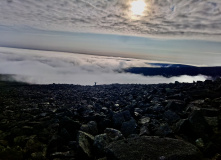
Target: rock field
x: 179, y: 121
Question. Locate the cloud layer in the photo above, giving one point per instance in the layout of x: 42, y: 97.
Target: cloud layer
x: 161, y: 17
x: 45, y: 67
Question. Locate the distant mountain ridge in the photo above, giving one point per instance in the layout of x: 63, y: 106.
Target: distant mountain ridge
x: 169, y: 65
x: 170, y: 70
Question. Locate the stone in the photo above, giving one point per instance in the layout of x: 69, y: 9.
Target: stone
x: 118, y: 119
x: 71, y: 126
x: 63, y: 155
x: 128, y: 127
x: 144, y: 131
x: 20, y: 140
x: 171, y: 116
x: 11, y: 153
x: 163, y: 130
x: 210, y: 112
x: 216, y: 102
x: 183, y: 127
x: 199, y: 143
x: 100, y: 142
x: 65, y: 135
x: 38, y: 156
x: 152, y: 148
x: 106, y: 123
x: 90, y: 127
x: 144, y: 120
x: 33, y: 145
x: 55, y: 145
x: 127, y: 115
x: 176, y: 106
x: 212, y: 121
x: 113, y: 134
x: 103, y: 158
x: 199, y: 125
x: 85, y: 143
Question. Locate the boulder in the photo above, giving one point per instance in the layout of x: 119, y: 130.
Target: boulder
x: 113, y: 134
x: 171, y: 116
x: 85, y: 143
x: 11, y: 153
x: 144, y: 130
x: 100, y: 142
x: 176, y: 106
x: 127, y: 115
x: 147, y: 148
x: 90, y: 127
x: 163, y: 130
x: 199, y: 125
x: 144, y: 120
x: 129, y: 127
x: 118, y: 119
x: 71, y: 126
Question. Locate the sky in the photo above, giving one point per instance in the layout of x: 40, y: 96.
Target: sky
x: 173, y: 31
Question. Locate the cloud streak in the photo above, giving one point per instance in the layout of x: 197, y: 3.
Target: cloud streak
x: 161, y: 17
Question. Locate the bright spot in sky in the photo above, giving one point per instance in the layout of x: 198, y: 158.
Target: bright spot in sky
x: 138, y: 7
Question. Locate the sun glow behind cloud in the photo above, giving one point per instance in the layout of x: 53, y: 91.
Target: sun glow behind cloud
x: 138, y: 7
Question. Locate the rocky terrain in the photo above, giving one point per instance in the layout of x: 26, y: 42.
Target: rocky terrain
x: 114, y: 122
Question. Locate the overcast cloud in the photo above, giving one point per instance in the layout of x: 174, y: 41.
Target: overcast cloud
x: 161, y: 17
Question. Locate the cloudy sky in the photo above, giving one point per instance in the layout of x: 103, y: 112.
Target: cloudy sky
x: 176, y: 31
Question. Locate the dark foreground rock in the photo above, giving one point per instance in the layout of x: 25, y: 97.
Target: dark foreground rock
x: 152, y: 148
x: 72, y: 122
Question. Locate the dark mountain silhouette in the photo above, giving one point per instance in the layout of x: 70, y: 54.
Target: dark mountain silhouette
x: 170, y: 70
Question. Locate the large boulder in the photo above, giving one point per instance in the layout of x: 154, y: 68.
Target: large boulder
x: 100, y: 142
x: 199, y: 125
x: 176, y: 106
x: 147, y: 148
x: 129, y: 127
x: 171, y: 116
x: 85, y: 143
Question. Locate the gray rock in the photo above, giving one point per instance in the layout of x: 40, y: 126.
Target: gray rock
x: 64, y: 134
x: 33, y: 145
x: 129, y: 127
x: 38, y: 156
x: 144, y: 131
x: 171, y: 116
x: 54, y: 145
x: 199, y: 125
x: 100, y: 142
x: 144, y: 120
x: 113, y: 134
x: 85, y: 143
x: 90, y: 127
x: 118, y: 119
x: 212, y: 121
x: 63, y: 155
x: 199, y: 143
x: 163, y: 130
x: 176, y: 106
x: 11, y: 153
x: 152, y: 148
x: 210, y: 112
x: 127, y: 115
